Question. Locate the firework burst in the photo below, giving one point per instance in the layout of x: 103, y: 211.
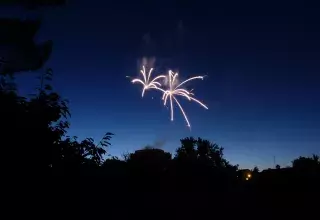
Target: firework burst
x: 147, y: 83
x: 173, y: 91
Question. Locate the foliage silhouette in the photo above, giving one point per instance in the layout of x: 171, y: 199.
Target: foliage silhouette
x: 255, y: 169
x: 199, y: 159
x: 307, y: 164
x: 22, y: 53
x: 204, y: 152
x: 149, y: 162
x: 41, y: 122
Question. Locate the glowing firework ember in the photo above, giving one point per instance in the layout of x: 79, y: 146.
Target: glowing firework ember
x: 147, y: 84
x: 176, y: 90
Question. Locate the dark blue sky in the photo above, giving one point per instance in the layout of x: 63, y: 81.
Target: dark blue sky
x: 262, y: 62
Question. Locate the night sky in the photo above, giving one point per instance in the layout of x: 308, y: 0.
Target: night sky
x: 262, y: 62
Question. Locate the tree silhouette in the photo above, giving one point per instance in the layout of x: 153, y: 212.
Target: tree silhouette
x: 200, y: 162
x: 35, y: 128
x: 278, y: 167
x: 187, y: 151
x: 202, y: 151
x: 114, y: 167
x: 255, y: 170
x: 74, y: 154
x: 149, y: 159
x: 306, y: 163
x: 21, y: 52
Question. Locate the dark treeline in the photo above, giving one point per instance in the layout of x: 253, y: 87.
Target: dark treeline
x: 34, y: 142
x: 57, y: 174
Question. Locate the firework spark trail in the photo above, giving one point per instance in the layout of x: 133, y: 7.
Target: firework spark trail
x: 171, y: 92
x: 174, y: 90
x: 154, y: 84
